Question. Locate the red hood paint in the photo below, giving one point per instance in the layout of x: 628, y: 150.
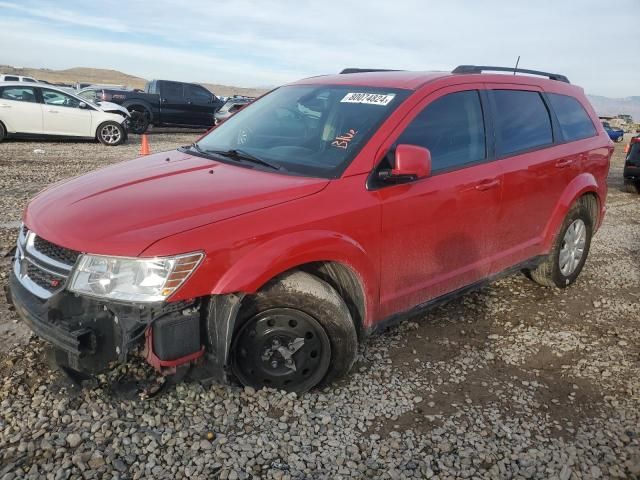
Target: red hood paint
x: 124, y: 208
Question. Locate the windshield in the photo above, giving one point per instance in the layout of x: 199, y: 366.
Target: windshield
x: 312, y: 130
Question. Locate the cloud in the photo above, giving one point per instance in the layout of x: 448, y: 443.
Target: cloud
x: 248, y: 42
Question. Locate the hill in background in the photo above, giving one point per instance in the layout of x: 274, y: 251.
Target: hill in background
x: 99, y: 75
x: 603, y: 105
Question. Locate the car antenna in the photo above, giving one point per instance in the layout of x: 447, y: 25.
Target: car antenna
x: 516, y: 67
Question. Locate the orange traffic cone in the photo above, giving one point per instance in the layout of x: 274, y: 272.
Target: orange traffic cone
x: 144, y: 148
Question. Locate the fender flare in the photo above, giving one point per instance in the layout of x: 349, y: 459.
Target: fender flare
x: 278, y: 255
x: 583, y: 183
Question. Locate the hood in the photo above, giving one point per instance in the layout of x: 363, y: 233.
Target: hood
x: 124, y: 208
x: 113, y: 108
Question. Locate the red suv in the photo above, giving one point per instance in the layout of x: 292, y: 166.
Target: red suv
x: 267, y: 250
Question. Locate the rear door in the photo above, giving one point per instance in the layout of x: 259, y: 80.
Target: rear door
x: 438, y: 232
x: 199, y: 104
x: 65, y: 115
x: 173, y: 106
x: 534, y: 174
x: 19, y: 109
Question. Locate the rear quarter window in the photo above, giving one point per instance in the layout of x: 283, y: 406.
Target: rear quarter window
x: 522, y: 121
x: 574, y: 121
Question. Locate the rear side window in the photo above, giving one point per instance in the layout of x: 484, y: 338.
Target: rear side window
x: 522, y: 121
x: 11, y: 78
x: 172, y: 90
x: 18, y: 94
x: 573, y: 118
x: 452, y: 128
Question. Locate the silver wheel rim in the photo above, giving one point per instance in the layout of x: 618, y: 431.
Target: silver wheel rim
x: 572, y: 248
x: 110, y: 134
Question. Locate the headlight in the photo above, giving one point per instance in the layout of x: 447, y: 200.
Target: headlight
x: 132, y: 279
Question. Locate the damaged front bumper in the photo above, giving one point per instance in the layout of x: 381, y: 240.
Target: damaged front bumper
x: 89, y: 335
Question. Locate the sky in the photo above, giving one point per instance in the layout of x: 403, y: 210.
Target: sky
x: 260, y: 44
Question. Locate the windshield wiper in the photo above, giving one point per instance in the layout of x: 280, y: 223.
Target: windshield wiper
x: 237, y: 154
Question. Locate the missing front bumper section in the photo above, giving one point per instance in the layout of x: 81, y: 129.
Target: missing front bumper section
x: 91, y: 336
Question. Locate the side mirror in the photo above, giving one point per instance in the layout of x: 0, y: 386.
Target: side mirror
x: 82, y: 105
x: 411, y: 163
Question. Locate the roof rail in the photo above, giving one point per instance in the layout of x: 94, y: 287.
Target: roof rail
x: 485, y: 68
x: 365, y: 70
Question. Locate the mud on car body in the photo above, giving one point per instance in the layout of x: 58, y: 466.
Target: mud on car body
x: 326, y: 209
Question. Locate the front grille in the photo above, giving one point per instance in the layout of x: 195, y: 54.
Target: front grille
x: 42, y: 267
x: 44, y: 279
x: 61, y: 254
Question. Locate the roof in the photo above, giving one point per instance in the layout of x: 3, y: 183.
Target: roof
x: 390, y: 79
x: 414, y: 80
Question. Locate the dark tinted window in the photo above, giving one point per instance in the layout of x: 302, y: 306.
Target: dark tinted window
x: 452, y: 128
x: 18, y: 94
x: 573, y: 118
x: 522, y: 121
x: 198, y: 94
x: 10, y: 78
x: 172, y: 90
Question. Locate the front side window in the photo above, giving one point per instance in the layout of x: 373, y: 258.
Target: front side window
x: 59, y: 99
x: 311, y: 130
x: 199, y: 95
x: 89, y: 95
x: 452, y: 128
x: 18, y: 94
x: 574, y: 120
x: 27, y: 79
x: 522, y: 121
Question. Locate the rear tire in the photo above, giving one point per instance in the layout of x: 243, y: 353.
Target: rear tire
x: 632, y: 186
x: 297, y: 306
x: 111, y: 134
x: 3, y: 132
x: 569, y: 252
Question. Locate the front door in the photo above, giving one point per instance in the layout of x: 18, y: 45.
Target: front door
x: 65, y: 115
x: 438, y: 232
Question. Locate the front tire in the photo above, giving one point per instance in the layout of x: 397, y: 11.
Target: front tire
x: 569, y: 252
x: 139, y: 121
x: 293, y: 335
x: 111, y: 134
x: 3, y: 132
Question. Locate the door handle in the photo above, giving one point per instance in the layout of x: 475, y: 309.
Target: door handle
x: 565, y: 162
x: 488, y: 184
x: 53, y: 111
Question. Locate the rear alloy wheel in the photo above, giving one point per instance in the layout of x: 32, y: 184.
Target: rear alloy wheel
x: 569, y: 252
x: 295, y: 334
x: 111, y: 133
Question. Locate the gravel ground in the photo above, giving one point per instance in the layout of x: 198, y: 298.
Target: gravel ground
x: 513, y: 381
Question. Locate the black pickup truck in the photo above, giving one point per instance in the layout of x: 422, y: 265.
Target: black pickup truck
x: 161, y: 103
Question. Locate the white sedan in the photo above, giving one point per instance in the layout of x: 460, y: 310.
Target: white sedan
x: 37, y: 110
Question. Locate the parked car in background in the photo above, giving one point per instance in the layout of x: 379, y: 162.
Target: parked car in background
x: 615, y: 134
x: 162, y: 103
x: 631, y: 172
x: 231, y: 106
x: 38, y: 110
x: 16, y: 78
x: 318, y: 214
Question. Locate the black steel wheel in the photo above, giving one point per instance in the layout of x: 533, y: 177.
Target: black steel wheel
x: 294, y: 334
x: 282, y: 348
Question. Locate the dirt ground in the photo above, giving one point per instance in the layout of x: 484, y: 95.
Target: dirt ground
x: 534, y: 382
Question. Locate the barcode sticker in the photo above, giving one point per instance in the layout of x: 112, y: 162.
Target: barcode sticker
x: 368, y: 98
